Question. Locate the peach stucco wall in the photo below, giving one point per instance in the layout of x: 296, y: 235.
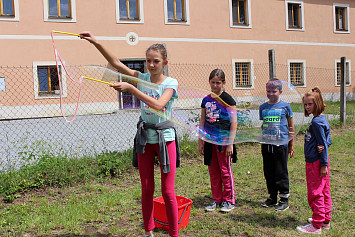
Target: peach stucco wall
x: 29, y: 38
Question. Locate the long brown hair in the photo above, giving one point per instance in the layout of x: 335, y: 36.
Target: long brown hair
x: 319, y: 105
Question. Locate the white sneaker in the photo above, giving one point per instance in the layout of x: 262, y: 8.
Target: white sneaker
x: 324, y: 225
x: 309, y: 229
x: 212, y: 206
x: 227, y: 207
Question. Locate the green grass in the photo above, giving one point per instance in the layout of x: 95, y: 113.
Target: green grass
x: 332, y: 108
x: 100, y: 196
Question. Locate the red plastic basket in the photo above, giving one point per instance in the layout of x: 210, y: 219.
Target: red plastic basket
x: 160, y: 218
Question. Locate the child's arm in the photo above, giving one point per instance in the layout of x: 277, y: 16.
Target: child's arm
x: 157, y: 104
x: 112, y: 59
x: 232, y: 111
x: 321, y: 141
x: 202, y: 123
x: 291, y: 129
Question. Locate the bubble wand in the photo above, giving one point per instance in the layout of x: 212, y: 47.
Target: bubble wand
x: 67, y: 33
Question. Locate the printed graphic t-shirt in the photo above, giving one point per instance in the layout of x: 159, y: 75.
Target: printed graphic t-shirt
x: 274, y: 118
x: 148, y: 116
x: 217, y: 123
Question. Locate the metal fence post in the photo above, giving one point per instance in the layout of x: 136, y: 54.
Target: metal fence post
x: 272, y: 66
x: 342, y: 91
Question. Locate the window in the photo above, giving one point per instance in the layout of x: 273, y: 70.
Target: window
x: 177, y: 12
x: 9, y: 10
x: 338, y: 73
x: 341, y: 18
x: 296, y: 73
x: 129, y: 11
x: 2, y: 84
x: 294, y: 15
x: 59, y: 10
x: 127, y: 100
x: 240, y: 13
x: 46, y: 81
x: 243, y: 74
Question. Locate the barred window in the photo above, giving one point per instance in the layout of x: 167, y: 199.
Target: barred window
x: 239, y: 12
x: 7, y: 8
x: 176, y: 11
x: 59, y: 9
x: 48, y: 82
x: 296, y: 74
x: 347, y: 74
x: 242, y: 73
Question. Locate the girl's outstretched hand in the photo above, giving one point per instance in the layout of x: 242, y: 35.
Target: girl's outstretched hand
x: 88, y: 36
x: 323, y: 171
x: 122, y: 86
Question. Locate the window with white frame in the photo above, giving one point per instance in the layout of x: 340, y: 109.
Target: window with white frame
x: 9, y: 10
x: 46, y: 80
x: 243, y: 73
x: 59, y: 10
x: 341, y: 18
x: 297, y: 72
x: 177, y: 12
x: 129, y: 11
x: 240, y: 13
x: 294, y: 15
x: 338, y: 73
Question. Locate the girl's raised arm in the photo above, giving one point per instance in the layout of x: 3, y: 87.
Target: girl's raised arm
x: 112, y: 59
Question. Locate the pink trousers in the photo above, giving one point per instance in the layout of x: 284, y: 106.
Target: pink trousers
x: 318, y: 190
x: 221, y: 176
x: 146, y: 163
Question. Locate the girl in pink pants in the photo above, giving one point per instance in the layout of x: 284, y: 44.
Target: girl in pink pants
x: 317, y: 141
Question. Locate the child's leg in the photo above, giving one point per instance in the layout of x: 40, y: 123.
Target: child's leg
x: 281, y: 171
x: 327, y: 198
x: 168, y: 191
x: 268, y: 167
x: 146, y: 171
x: 226, y: 176
x: 215, y: 176
x: 315, y: 186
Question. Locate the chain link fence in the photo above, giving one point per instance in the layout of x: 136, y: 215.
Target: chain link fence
x: 31, y: 121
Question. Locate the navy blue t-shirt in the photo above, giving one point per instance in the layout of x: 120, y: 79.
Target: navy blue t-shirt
x: 318, y: 133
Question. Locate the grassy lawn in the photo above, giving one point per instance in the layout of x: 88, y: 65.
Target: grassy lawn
x: 111, y: 206
x: 100, y: 196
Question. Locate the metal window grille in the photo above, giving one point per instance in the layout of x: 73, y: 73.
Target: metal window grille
x: 242, y: 74
x: 296, y: 74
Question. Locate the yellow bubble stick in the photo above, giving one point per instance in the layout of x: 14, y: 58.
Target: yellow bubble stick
x: 67, y: 33
x: 105, y: 82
